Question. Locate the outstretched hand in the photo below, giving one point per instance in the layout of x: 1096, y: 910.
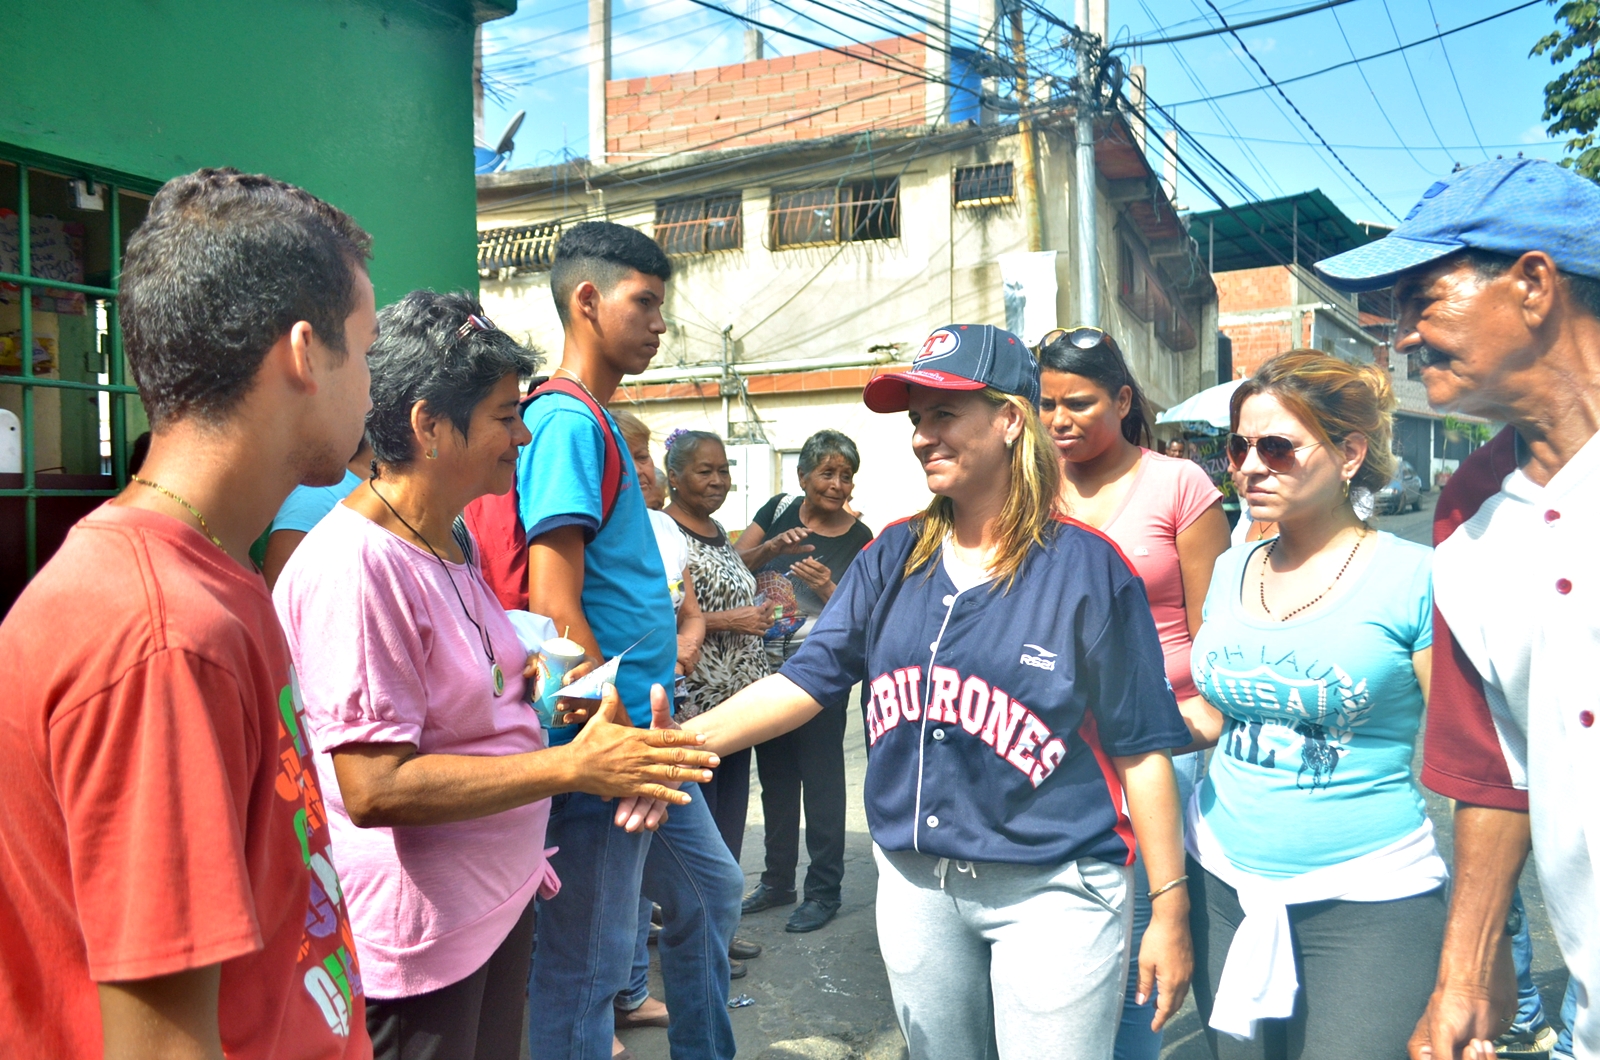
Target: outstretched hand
x: 648, y: 813
x: 616, y: 760
x: 791, y: 542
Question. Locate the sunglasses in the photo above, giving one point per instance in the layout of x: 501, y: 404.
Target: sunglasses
x: 1275, y: 451
x: 475, y: 323
x: 1083, y: 337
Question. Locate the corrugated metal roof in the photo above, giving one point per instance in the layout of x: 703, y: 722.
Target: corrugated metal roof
x: 1263, y: 233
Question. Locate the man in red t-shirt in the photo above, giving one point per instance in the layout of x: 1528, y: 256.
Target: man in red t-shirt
x: 168, y: 888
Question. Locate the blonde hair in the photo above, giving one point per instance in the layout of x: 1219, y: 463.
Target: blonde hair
x: 1031, y: 502
x: 633, y: 429
x: 1334, y: 399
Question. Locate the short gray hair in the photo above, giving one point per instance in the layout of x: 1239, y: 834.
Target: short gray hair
x: 420, y: 355
x: 828, y: 443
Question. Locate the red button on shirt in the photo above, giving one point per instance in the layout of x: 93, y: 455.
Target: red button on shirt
x: 1551, y: 516
x: 1563, y: 586
x: 1586, y: 718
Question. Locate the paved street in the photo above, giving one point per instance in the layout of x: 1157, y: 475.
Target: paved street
x: 831, y: 985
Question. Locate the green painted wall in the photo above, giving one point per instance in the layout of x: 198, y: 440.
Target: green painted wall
x: 366, y: 104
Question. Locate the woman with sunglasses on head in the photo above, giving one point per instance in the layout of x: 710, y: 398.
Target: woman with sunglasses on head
x: 435, y: 770
x: 1165, y: 516
x: 1018, y: 721
x: 1319, y: 899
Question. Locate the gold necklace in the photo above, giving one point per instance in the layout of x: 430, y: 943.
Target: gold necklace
x: 159, y: 488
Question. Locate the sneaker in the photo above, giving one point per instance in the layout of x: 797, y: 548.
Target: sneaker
x: 1530, y: 1043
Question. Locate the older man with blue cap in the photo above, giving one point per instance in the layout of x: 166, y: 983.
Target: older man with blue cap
x: 1496, y: 276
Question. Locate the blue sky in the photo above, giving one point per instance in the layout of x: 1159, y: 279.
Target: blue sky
x: 1493, y: 96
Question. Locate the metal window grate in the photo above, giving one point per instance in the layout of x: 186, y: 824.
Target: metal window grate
x: 698, y: 226
x: 530, y: 247
x: 986, y: 185
x: 844, y: 213
x: 91, y: 415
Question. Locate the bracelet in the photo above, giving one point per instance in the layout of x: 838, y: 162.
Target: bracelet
x: 1164, y: 888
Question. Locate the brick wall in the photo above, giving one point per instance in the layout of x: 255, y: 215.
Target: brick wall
x: 744, y: 104
x: 1245, y: 289
x: 1256, y: 343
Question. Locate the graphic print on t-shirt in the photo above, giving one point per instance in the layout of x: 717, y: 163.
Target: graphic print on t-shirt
x: 1283, y: 713
x: 327, y: 956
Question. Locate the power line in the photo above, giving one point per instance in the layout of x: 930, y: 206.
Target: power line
x: 1457, y: 82
x: 1381, y: 147
x: 1376, y: 101
x: 1413, y: 76
x: 1213, y: 32
x: 1367, y: 58
x: 1305, y: 120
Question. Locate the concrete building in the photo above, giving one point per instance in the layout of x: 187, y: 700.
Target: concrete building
x: 824, y: 214
x: 1270, y: 301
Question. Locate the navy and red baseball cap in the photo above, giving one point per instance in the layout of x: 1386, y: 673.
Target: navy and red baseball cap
x: 1506, y: 206
x: 960, y: 357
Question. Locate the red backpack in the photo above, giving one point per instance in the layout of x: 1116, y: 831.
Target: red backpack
x: 496, y: 522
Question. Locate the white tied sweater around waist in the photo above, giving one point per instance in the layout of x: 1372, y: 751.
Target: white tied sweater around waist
x: 1258, y: 978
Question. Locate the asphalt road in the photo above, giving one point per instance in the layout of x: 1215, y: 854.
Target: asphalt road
x: 825, y: 994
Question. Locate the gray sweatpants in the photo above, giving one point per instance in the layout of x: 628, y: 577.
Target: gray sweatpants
x: 1003, y: 961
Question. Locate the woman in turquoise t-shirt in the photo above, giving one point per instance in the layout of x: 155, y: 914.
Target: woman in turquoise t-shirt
x: 1314, y: 660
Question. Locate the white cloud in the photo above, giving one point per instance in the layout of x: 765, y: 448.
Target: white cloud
x: 1534, y: 134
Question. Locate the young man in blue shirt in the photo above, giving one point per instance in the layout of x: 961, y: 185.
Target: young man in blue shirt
x: 598, y: 575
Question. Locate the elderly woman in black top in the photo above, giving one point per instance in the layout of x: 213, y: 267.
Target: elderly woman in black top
x: 810, y: 539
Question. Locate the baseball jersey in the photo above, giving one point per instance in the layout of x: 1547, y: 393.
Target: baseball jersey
x: 1518, y: 582
x: 992, y: 712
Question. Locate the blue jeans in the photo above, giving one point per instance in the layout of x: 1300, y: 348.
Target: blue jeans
x: 1530, y: 1010
x: 638, y: 991
x: 1569, y: 1012
x: 1135, y: 1039
x: 587, y: 933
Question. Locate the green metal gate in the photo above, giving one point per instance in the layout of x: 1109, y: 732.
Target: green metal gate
x: 122, y: 199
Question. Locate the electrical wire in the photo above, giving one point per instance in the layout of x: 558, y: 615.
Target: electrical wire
x: 1305, y: 120
x: 1368, y: 58
x: 1213, y: 32
x: 1413, y: 76
x: 1376, y: 101
x: 1457, y: 82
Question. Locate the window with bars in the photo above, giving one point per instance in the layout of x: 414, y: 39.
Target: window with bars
x: 700, y: 225
x: 842, y: 213
x: 67, y: 412
x: 986, y: 185
x: 1145, y: 297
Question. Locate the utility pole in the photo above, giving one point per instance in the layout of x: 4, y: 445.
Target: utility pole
x: 1030, y: 146
x: 1086, y: 287
x: 989, y: 42
x: 937, y: 98
x: 599, y: 74
x: 754, y: 46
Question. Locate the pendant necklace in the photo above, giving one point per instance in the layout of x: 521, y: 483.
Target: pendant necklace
x: 483, y: 638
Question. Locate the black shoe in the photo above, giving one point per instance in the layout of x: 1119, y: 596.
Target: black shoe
x: 812, y: 914
x: 743, y: 949
x: 764, y: 897
x: 737, y: 970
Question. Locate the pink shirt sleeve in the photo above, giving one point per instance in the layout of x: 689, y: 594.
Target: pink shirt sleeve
x: 364, y: 683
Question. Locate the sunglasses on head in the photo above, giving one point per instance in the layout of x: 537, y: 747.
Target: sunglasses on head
x: 1083, y: 337
x: 475, y: 323
x: 1274, y: 450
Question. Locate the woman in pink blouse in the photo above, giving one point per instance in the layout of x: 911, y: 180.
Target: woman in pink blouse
x: 1163, y: 513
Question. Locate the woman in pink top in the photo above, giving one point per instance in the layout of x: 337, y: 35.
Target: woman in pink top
x: 436, y: 776
x: 1165, y: 516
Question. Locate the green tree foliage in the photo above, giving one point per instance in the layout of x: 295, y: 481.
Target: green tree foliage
x: 1572, y: 100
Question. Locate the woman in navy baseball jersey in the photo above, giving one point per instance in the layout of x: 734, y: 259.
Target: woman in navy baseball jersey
x: 1018, y: 719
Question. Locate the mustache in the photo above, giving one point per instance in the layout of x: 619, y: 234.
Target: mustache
x: 1429, y: 356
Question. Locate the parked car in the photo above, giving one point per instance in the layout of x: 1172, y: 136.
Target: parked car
x: 1403, y: 493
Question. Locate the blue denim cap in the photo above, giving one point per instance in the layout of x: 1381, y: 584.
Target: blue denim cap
x: 1507, y: 206
x: 960, y: 357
